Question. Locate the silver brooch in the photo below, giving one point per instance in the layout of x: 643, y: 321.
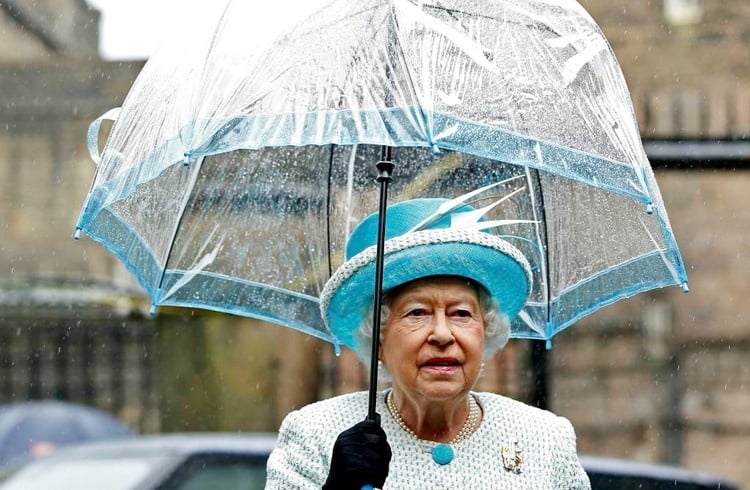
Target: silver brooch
x: 511, y: 454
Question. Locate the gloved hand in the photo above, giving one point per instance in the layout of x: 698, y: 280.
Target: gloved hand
x: 361, y: 456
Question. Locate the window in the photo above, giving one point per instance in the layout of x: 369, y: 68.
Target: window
x: 683, y: 12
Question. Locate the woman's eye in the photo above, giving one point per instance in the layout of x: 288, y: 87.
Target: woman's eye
x: 463, y: 314
x: 417, y: 312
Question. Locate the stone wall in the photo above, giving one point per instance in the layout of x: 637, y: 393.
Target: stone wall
x: 660, y: 377
x: 45, y: 29
x: 46, y: 169
x: 658, y: 53
x: 690, y: 79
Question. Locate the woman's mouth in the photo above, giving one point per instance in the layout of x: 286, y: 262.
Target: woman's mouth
x: 442, y: 364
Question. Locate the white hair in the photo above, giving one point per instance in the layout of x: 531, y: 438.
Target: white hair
x: 496, y: 327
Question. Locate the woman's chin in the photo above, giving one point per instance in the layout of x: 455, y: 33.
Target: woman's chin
x: 443, y: 388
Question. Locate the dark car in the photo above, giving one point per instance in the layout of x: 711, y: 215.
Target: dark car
x: 163, y: 462
x: 238, y: 462
x: 39, y: 426
x: 619, y: 474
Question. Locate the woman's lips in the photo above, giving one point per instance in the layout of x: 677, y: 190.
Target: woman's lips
x: 442, y: 364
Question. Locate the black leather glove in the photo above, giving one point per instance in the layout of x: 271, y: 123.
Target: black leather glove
x: 361, y: 456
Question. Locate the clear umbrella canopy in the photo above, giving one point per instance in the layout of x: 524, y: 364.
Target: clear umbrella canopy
x: 244, y: 153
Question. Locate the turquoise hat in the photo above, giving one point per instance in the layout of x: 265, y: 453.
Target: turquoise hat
x: 437, y: 249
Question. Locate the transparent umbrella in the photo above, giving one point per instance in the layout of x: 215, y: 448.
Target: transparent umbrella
x: 245, y: 152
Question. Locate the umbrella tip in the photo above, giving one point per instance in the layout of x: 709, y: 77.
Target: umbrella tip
x: 186, y: 159
x: 685, y: 288
x: 77, y: 234
x: 337, y: 348
x: 649, y: 208
x: 152, y: 311
x: 548, y: 344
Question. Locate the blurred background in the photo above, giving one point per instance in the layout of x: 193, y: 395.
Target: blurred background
x: 658, y: 378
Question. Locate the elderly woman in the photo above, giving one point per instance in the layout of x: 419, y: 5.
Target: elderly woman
x: 449, y: 295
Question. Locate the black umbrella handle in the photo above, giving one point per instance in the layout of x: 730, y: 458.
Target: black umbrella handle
x: 385, y: 169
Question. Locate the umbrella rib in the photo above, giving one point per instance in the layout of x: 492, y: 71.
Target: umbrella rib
x: 183, y: 207
x: 410, y: 81
x: 545, y: 253
x: 329, y: 210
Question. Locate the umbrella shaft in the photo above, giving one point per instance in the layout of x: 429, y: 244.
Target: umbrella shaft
x: 385, y: 169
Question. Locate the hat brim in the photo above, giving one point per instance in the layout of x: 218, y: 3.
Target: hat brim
x: 488, y: 260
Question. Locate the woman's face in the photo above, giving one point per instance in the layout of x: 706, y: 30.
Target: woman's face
x: 433, y: 341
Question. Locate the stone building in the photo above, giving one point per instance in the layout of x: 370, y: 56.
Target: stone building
x: 61, y: 304
x: 659, y: 377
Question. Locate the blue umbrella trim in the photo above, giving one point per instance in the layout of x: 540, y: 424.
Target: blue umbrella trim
x: 211, y: 291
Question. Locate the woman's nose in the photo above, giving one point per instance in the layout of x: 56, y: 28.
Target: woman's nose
x: 441, y: 333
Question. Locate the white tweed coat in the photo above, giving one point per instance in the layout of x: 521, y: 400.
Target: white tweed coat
x: 549, y: 459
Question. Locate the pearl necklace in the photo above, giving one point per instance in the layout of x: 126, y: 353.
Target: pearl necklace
x: 442, y: 453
